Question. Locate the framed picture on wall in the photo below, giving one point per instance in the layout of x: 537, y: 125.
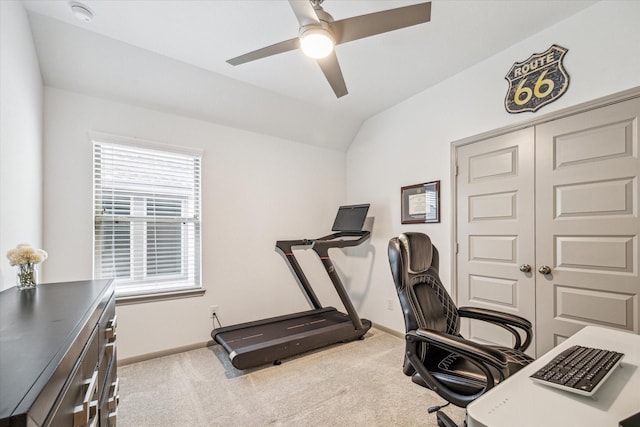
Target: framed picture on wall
x: 421, y: 203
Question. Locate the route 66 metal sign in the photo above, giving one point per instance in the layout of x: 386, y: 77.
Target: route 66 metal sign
x: 537, y: 81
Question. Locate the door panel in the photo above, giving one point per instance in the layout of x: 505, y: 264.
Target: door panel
x: 594, y: 307
x: 613, y: 197
x: 586, y: 145
x: 493, y: 290
x: 591, y: 253
x: 587, y: 222
x: 496, y: 230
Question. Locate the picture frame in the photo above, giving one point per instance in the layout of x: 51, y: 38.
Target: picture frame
x: 421, y: 203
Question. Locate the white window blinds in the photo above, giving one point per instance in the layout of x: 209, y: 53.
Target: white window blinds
x: 147, y: 218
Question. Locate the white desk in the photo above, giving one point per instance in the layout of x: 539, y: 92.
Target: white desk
x: 521, y: 402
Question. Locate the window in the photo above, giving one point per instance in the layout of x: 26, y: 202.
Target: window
x: 147, y: 218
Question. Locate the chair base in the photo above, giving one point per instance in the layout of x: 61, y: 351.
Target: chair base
x: 444, y: 420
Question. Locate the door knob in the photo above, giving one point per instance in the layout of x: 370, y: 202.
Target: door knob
x: 525, y: 268
x: 545, y: 269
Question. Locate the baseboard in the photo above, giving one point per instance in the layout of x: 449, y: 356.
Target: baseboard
x: 389, y: 330
x: 168, y: 352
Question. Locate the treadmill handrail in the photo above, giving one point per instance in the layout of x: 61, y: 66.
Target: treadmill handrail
x: 321, y: 247
x: 333, y: 240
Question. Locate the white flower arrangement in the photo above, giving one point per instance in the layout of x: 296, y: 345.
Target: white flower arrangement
x: 25, y: 254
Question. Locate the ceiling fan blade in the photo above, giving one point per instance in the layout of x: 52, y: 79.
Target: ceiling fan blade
x: 304, y: 11
x: 358, y: 27
x: 331, y: 69
x: 274, y: 49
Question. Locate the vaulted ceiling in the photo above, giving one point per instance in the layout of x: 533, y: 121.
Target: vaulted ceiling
x: 171, y: 55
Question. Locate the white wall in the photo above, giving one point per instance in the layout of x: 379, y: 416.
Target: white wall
x: 411, y: 143
x: 256, y: 189
x: 21, y: 95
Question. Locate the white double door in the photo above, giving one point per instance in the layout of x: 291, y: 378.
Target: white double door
x: 547, y: 225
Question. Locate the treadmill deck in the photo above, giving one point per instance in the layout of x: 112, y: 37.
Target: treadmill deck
x: 270, y: 340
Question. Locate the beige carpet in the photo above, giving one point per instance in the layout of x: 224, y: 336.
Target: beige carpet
x: 355, y: 384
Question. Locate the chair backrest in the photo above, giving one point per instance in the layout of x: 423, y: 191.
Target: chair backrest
x: 424, y: 300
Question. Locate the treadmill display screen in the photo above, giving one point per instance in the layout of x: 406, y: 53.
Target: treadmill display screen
x: 350, y: 218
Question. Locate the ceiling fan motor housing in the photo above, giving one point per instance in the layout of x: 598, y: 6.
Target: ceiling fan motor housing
x: 322, y: 15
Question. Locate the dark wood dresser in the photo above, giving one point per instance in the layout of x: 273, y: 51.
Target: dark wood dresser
x: 58, y: 355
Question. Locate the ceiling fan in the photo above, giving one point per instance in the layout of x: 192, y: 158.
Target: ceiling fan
x: 319, y: 33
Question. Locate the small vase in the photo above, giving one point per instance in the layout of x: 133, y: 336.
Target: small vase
x: 27, y: 277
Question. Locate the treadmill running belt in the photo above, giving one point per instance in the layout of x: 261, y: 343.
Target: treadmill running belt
x: 260, y: 333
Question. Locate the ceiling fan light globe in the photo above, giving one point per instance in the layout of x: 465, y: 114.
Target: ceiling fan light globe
x: 316, y: 43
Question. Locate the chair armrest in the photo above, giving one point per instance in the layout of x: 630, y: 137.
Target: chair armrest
x: 480, y: 355
x: 494, y: 315
x: 503, y: 320
x: 462, y: 347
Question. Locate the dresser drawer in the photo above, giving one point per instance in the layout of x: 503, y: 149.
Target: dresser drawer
x: 78, y: 404
x: 111, y: 397
x: 107, y: 338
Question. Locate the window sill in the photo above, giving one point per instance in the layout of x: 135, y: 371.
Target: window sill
x: 160, y: 296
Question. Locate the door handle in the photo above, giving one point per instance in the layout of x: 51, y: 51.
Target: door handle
x: 545, y: 269
x: 525, y: 268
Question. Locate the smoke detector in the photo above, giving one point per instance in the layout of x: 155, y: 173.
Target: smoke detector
x: 82, y: 12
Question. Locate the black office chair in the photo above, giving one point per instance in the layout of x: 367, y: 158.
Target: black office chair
x: 437, y: 356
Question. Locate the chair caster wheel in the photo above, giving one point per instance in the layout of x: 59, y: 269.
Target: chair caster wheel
x: 277, y: 362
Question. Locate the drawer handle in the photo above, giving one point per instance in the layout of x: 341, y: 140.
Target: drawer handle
x: 111, y: 328
x: 112, y: 404
x: 114, y: 401
x: 110, y: 349
x: 83, y: 413
x: 111, y: 419
x: 94, y: 407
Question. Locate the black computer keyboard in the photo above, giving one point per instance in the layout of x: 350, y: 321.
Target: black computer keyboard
x: 579, y: 369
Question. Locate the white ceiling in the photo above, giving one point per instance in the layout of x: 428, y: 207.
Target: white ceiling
x: 171, y: 55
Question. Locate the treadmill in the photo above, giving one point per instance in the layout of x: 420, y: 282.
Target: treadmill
x: 270, y: 340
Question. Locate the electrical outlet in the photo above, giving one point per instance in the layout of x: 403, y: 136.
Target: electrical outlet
x: 213, y: 309
x: 389, y: 304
